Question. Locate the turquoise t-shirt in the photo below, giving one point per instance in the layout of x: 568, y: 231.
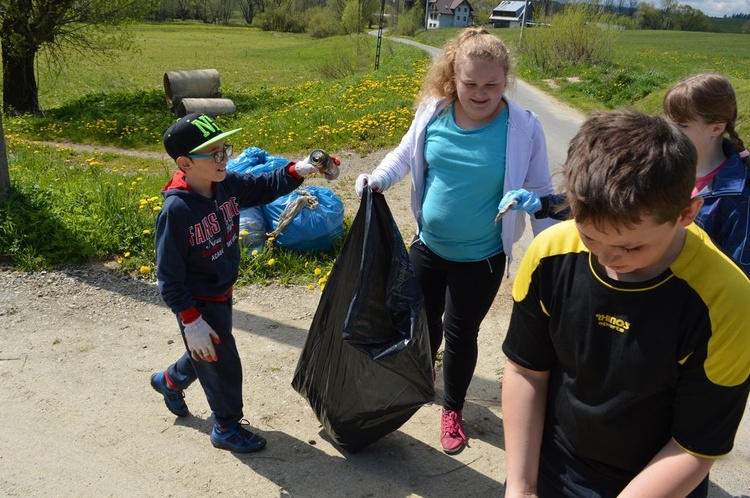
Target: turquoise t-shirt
x: 463, y: 186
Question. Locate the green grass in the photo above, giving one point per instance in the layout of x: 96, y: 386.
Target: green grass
x: 64, y: 207
x: 286, y: 100
x: 246, y: 59
x: 644, y: 65
x: 287, y: 103
x: 292, y: 94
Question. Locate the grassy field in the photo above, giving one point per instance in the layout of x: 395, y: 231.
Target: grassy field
x: 246, y: 58
x: 644, y: 65
x: 291, y: 86
x: 292, y: 94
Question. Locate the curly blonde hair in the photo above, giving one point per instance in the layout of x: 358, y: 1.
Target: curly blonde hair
x: 471, y: 43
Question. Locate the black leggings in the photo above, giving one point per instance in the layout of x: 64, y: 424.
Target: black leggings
x: 457, y: 297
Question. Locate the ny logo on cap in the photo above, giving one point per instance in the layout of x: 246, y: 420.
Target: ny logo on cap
x: 206, y: 125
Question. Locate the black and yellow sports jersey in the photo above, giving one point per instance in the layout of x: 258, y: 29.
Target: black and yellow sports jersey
x: 633, y: 364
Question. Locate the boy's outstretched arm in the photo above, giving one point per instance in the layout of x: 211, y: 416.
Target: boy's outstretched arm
x: 524, y: 398
x: 672, y: 472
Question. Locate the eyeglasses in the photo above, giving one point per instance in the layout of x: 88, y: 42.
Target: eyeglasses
x: 219, y: 156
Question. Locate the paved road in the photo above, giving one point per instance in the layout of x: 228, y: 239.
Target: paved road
x: 730, y: 476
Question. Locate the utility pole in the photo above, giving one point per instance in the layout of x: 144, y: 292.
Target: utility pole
x: 380, y: 34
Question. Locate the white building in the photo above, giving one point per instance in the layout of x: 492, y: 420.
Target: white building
x: 509, y: 14
x: 449, y: 14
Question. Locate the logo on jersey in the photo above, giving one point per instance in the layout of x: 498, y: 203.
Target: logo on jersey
x: 613, y: 322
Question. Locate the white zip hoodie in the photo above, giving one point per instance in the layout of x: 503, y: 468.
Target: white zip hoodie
x: 526, y: 165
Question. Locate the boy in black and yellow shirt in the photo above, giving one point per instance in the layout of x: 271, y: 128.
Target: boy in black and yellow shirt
x: 629, y: 343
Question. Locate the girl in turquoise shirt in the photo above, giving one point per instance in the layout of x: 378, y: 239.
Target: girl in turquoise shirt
x: 467, y: 145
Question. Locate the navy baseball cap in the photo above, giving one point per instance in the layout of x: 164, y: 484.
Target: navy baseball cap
x: 191, y: 133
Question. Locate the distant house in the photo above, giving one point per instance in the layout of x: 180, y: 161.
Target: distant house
x: 449, y: 14
x: 509, y: 14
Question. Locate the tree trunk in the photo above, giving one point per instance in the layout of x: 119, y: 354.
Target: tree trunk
x: 4, y: 174
x: 20, y: 91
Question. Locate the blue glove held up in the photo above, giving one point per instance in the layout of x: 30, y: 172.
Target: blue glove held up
x: 528, y: 201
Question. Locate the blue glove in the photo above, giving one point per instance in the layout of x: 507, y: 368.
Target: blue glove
x: 525, y: 200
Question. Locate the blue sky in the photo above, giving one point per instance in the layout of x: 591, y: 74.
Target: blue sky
x: 718, y: 8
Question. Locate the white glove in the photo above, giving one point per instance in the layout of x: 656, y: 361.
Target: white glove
x: 375, y: 184
x: 305, y: 167
x: 200, y: 338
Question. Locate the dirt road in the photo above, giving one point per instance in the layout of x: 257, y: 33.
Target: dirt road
x: 79, y: 418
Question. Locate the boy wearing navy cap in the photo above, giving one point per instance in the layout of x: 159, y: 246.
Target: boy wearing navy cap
x: 197, y: 262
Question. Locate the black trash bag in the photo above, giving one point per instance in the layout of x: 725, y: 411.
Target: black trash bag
x: 366, y: 366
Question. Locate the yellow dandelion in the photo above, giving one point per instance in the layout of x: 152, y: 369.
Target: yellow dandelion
x: 307, y: 264
x: 244, y: 233
x: 126, y: 255
x: 119, y: 261
x: 146, y: 232
x: 322, y: 286
x: 271, y: 262
x: 317, y: 271
x: 271, y: 239
x: 323, y: 281
x: 255, y: 252
x: 310, y: 287
x: 145, y: 270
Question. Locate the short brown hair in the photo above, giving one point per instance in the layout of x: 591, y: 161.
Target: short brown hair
x: 623, y: 165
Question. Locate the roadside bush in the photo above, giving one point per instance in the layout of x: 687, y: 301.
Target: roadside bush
x: 577, y: 35
x: 410, y: 22
x: 352, y: 19
x: 281, y: 19
x: 321, y: 23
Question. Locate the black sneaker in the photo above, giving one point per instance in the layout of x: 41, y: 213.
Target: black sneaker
x: 237, y: 439
x: 174, y: 399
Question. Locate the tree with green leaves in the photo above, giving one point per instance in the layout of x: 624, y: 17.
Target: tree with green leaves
x: 690, y: 19
x: 648, y: 16
x: 58, y: 27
